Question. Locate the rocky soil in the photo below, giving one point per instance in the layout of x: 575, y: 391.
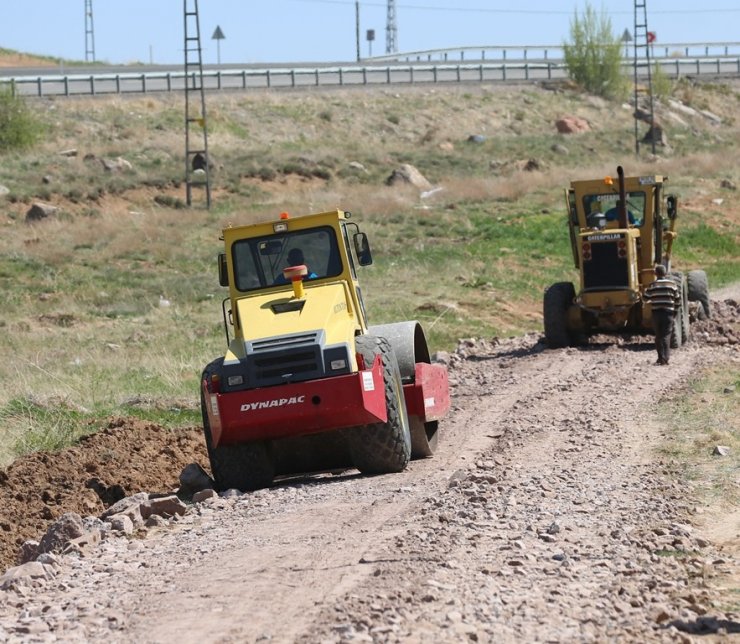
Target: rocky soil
x: 547, y: 514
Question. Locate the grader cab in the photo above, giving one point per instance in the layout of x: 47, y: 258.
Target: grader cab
x: 619, y: 230
x: 305, y: 385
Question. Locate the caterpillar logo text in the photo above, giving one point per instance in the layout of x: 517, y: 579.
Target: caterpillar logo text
x: 277, y: 402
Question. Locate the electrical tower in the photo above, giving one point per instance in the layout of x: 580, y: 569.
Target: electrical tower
x: 89, y: 33
x: 391, y: 31
x: 642, y: 68
x: 197, y: 162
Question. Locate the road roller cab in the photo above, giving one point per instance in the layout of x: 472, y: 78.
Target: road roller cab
x: 306, y: 384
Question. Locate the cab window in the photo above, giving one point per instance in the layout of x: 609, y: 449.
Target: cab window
x: 259, y: 261
x: 607, y: 205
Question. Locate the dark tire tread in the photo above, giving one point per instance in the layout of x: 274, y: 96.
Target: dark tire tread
x: 558, y: 297
x: 699, y: 290
x: 382, y: 448
x: 243, y: 466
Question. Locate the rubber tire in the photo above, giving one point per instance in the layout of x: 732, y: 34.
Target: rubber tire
x: 676, y: 333
x: 556, y: 301
x: 699, y: 290
x: 685, y: 327
x: 382, y: 448
x: 242, y: 466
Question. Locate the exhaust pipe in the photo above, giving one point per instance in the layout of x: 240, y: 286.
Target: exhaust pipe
x: 622, y: 203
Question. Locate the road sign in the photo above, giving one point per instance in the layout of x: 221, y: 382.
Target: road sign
x: 626, y: 36
x: 218, y: 36
x: 651, y: 36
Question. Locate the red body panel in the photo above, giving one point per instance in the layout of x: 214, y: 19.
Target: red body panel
x: 429, y: 396
x: 297, y: 409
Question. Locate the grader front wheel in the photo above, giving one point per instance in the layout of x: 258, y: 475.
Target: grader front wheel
x: 556, y: 301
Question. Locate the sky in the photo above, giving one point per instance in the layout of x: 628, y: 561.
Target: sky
x: 275, y: 31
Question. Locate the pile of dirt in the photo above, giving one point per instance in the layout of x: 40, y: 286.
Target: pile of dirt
x: 722, y: 327
x: 127, y: 457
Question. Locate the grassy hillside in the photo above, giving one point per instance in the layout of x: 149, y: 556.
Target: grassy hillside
x: 13, y: 58
x: 112, y: 306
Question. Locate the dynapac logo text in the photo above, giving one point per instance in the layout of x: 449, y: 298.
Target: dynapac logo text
x: 276, y: 402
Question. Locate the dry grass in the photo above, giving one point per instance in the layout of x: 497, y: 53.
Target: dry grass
x: 83, y: 320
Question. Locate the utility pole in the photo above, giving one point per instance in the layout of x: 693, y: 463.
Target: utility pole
x: 357, y: 28
x: 391, y: 31
x: 197, y: 162
x: 89, y: 33
x: 643, y: 40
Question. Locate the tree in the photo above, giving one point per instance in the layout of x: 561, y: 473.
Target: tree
x: 594, y: 55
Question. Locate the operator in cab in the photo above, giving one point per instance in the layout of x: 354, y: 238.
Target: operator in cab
x: 295, y: 258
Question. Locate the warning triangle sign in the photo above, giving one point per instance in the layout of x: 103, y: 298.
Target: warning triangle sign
x: 218, y: 34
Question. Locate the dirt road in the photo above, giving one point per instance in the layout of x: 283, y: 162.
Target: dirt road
x: 547, y: 514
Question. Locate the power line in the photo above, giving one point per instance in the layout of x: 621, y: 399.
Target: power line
x: 550, y: 12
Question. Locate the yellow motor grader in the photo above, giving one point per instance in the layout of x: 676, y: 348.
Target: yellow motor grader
x: 305, y: 385
x: 619, y: 230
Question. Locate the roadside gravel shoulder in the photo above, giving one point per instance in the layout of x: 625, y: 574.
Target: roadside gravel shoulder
x: 546, y: 515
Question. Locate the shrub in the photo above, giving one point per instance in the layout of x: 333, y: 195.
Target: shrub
x: 662, y: 85
x: 594, y: 55
x: 19, y: 128
x: 170, y: 202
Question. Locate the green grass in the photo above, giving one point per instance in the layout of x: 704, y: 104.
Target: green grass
x: 705, y: 417
x: 717, y: 251
x: 85, y: 323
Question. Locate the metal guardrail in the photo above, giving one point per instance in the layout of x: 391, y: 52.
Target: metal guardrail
x: 334, y: 76
x: 552, y: 52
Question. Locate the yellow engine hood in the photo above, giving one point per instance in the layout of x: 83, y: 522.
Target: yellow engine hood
x: 324, y: 306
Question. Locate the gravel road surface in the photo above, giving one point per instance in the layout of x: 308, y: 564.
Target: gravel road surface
x: 548, y: 514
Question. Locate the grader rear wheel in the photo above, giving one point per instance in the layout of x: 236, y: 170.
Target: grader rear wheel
x: 680, y: 332
x: 699, y: 290
x: 676, y: 333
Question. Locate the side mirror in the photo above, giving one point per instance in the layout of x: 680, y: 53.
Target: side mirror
x: 672, y: 206
x: 362, y: 249
x: 223, y: 271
